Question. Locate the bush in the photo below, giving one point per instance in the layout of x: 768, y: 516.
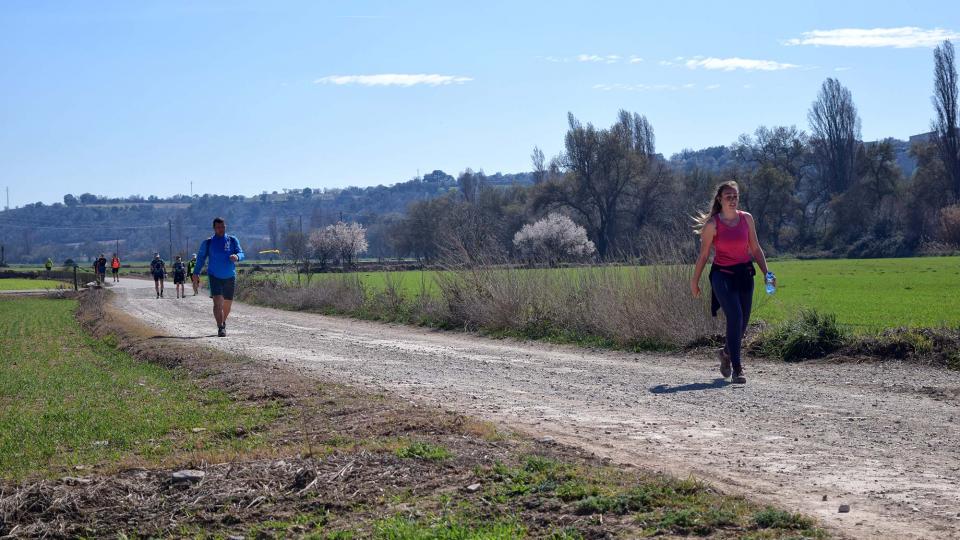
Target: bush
x: 950, y: 225
x: 810, y: 334
x: 424, y: 451
x: 771, y: 518
x: 879, y: 247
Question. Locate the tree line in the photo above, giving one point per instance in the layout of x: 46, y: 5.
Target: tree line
x: 816, y: 192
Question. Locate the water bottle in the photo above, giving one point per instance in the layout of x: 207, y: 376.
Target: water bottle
x: 771, y: 288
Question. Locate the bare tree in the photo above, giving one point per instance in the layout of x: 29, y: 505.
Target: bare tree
x: 946, y: 131
x: 273, y: 232
x: 601, y: 168
x: 539, y: 165
x: 836, y: 135
x: 471, y: 183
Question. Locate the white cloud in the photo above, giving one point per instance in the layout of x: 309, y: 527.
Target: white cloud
x: 901, y: 37
x: 713, y: 86
x: 643, y: 87
x: 676, y: 60
x: 730, y: 64
x: 608, y: 59
x: 842, y: 68
x: 393, y: 79
x: 594, y: 59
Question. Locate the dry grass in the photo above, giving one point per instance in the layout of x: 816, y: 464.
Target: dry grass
x: 634, y: 307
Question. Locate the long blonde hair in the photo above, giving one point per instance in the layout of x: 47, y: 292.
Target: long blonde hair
x: 704, y: 217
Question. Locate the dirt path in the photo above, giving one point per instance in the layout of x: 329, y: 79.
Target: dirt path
x: 882, y: 439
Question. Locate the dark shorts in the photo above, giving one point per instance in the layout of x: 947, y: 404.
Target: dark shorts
x: 222, y: 287
x: 158, y: 277
x: 179, y: 278
x: 115, y: 270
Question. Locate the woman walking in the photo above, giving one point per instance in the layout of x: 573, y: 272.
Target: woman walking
x: 733, y: 236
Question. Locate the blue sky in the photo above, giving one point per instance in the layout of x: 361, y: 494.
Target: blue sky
x: 120, y: 98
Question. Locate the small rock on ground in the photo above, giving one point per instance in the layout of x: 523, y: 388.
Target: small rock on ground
x: 188, y: 475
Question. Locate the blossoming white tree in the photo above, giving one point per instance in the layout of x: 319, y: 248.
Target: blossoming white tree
x: 554, y: 238
x: 343, y: 241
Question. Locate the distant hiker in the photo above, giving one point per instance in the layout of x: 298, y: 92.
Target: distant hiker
x: 191, y: 264
x: 48, y: 265
x: 159, y: 270
x: 733, y: 236
x: 179, y: 276
x: 100, y: 269
x: 224, y: 252
x: 115, y: 267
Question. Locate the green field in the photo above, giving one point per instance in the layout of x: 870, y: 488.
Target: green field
x: 68, y: 399
x: 18, y: 284
x: 865, y: 294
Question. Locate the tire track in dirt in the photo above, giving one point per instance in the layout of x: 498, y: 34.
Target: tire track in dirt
x: 881, y: 438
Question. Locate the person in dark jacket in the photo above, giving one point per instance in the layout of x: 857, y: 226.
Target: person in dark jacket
x: 159, y: 270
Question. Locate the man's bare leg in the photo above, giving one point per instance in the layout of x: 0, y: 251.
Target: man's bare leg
x: 218, y: 302
x: 226, y: 309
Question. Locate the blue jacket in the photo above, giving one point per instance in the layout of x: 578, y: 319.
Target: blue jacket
x: 219, y: 249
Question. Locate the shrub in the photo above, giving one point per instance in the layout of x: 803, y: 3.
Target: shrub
x: 878, y: 247
x: 554, y: 238
x: 771, y: 518
x: 810, y: 334
x: 424, y: 451
x: 950, y: 224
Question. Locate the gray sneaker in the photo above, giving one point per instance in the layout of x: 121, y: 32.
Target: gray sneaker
x: 725, y: 368
x: 738, y: 378
x: 222, y: 331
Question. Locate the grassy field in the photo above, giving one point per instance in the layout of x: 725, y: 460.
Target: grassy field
x: 68, y: 399
x: 17, y: 284
x: 865, y: 294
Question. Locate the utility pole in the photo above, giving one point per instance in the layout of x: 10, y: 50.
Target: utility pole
x: 191, y: 189
x: 170, y: 229
x: 7, y: 207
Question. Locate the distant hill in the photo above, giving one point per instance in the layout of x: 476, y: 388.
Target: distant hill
x: 85, y: 225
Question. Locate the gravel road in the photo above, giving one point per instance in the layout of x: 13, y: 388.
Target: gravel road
x: 880, y: 438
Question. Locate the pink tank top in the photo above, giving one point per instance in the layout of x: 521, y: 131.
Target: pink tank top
x: 731, y: 244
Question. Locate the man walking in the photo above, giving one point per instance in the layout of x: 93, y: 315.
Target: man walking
x: 179, y: 277
x: 191, y: 264
x: 159, y: 269
x: 100, y: 268
x: 224, y: 252
x: 48, y: 265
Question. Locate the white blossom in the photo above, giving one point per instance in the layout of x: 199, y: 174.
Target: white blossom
x: 554, y: 238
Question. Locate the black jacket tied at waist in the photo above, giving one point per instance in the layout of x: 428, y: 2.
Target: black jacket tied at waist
x: 741, y: 274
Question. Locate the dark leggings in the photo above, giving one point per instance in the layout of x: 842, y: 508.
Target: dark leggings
x: 736, y: 299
